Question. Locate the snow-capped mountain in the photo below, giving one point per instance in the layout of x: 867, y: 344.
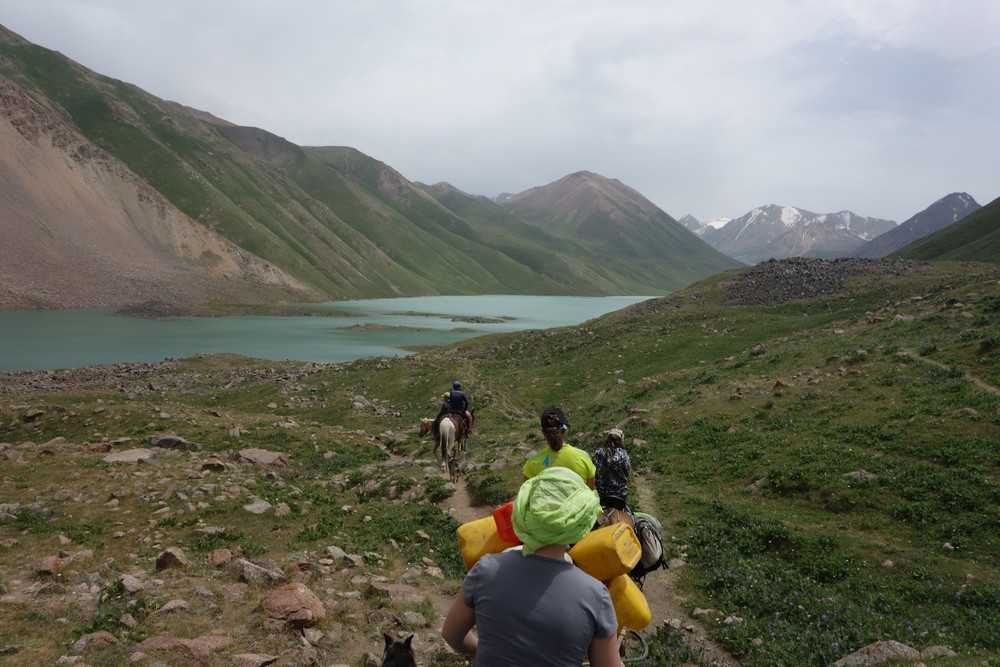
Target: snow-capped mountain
x: 945, y: 211
x: 701, y: 228
x: 774, y: 231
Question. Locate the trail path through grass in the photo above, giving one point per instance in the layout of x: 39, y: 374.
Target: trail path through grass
x: 969, y: 377
x: 660, y: 590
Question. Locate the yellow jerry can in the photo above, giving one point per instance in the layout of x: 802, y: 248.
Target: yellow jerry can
x: 608, y: 552
x: 478, y: 538
x: 631, y: 606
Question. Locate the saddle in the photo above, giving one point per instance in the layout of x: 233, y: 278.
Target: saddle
x: 461, y: 425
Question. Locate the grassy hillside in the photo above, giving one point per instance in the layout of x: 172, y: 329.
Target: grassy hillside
x: 974, y: 238
x: 827, y: 468
x: 616, y: 221
x: 332, y: 217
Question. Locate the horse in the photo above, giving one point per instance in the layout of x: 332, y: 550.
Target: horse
x: 447, y: 438
x: 398, y: 654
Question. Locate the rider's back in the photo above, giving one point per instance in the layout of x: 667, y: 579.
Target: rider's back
x: 458, y: 402
x: 532, y: 610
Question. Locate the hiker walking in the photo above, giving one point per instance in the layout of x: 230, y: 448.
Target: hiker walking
x: 614, y: 467
x: 559, y: 453
x: 531, y: 606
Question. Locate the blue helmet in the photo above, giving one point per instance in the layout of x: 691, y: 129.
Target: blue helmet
x: 456, y: 385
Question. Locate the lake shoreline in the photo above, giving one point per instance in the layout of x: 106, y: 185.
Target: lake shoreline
x: 330, y: 332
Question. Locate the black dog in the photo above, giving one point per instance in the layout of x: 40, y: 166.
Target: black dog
x: 398, y: 654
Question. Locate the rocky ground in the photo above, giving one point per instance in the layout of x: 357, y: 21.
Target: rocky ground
x: 826, y: 472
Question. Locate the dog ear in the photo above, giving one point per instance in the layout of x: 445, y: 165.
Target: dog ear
x: 388, y: 640
x: 408, y: 641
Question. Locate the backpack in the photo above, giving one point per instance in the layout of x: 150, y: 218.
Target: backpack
x: 650, y: 533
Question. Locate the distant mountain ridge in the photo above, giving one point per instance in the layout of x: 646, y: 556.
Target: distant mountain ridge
x: 700, y: 228
x: 617, y: 221
x: 974, y: 238
x: 945, y: 211
x: 777, y: 232
x: 216, y: 211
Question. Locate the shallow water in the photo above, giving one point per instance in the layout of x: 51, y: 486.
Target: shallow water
x: 38, y: 339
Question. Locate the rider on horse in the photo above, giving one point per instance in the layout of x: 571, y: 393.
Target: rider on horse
x: 455, y: 403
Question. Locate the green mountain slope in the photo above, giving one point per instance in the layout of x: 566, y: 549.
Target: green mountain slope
x: 616, y: 221
x: 974, y: 238
x: 331, y: 217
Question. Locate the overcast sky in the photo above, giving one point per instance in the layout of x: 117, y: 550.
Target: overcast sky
x: 879, y: 106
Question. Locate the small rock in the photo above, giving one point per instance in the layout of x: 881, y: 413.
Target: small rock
x: 948, y: 546
x: 50, y: 565
x: 128, y: 621
x: 732, y: 620
x: 879, y: 653
x: 676, y: 563
x: 258, y: 506
x: 172, y: 557
x: 131, y: 456
x: 414, y: 619
x: 932, y: 652
x: 94, y: 639
x: 888, y: 564
x: 263, y: 457
x: 219, y: 557
x: 172, y: 441
x: 174, y: 605
x: 313, y: 635
x: 253, y: 659
x: 214, y: 464
x: 132, y: 584
x: 282, y: 509
x: 295, y: 604
x: 252, y: 573
x: 336, y: 553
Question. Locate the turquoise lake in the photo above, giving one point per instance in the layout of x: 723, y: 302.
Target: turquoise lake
x: 72, y: 338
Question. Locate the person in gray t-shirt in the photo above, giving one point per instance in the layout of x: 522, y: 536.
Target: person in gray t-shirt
x: 533, y: 608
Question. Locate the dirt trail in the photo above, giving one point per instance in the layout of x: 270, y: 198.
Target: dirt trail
x: 460, y: 505
x: 660, y: 591
x: 969, y: 377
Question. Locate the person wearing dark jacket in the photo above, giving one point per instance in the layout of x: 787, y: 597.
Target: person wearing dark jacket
x: 455, y: 403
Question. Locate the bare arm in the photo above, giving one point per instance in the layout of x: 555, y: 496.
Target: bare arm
x: 457, y: 628
x: 592, y: 482
x: 604, y: 653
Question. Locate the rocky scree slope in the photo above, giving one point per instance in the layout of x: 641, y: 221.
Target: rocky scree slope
x: 80, y: 228
x: 945, y: 211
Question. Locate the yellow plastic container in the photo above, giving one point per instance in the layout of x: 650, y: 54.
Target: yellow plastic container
x: 478, y: 538
x: 631, y: 606
x: 608, y: 552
